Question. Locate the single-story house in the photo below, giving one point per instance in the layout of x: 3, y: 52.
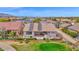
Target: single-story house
x: 40, y: 31
x: 24, y: 21
x: 74, y: 27
x: 64, y: 25
x: 12, y: 26
x: 66, y: 20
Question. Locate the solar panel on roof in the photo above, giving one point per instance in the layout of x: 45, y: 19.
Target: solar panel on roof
x: 39, y: 26
x: 31, y: 26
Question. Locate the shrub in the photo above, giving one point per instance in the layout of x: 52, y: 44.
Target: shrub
x: 34, y: 38
x: 27, y: 41
x: 31, y: 38
x: 12, y: 33
x: 37, y: 20
x: 71, y: 33
x: 46, y: 39
x: 20, y: 40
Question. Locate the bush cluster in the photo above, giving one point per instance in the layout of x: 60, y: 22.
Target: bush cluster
x: 71, y: 33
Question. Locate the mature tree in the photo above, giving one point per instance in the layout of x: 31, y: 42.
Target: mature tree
x: 37, y: 20
x: 77, y: 20
x: 58, y: 23
x: 12, y: 33
x: 25, y: 18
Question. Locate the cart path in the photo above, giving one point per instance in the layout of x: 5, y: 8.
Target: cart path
x: 6, y: 47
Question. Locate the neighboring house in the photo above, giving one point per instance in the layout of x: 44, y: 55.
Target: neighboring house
x: 12, y: 26
x: 64, y: 25
x: 40, y: 31
x: 48, y: 21
x: 75, y: 27
x: 66, y: 20
x: 24, y: 21
x: 13, y: 18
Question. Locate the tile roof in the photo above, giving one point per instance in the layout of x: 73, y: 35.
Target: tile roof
x: 65, y: 24
x: 47, y: 27
x: 11, y: 25
x: 35, y: 27
x: 26, y: 28
x: 74, y: 27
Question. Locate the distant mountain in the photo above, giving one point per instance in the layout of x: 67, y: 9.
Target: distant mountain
x: 3, y: 15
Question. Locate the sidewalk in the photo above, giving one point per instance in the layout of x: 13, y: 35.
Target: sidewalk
x: 6, y: 47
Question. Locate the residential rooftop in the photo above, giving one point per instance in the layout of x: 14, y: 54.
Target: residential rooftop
x: 75, y: 27
x: 39, y: 27
x: 11, y: 25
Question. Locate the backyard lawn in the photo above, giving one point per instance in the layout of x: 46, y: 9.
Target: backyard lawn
x: 46, y: 46
x: 53, y: 47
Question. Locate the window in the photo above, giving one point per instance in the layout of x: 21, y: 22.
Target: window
x: 29, y: 33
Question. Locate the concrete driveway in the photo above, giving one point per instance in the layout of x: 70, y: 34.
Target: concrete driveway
x: 6, y: 47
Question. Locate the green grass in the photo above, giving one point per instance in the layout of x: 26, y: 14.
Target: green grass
x: 53, y: 47
x: 42, y: 47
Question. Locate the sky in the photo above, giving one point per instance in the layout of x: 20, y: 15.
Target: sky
x: 41, y: 11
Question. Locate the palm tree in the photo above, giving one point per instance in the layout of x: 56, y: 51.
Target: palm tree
x: 58, y: 23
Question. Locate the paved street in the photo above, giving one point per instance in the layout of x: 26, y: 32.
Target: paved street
x: 6, y: 47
